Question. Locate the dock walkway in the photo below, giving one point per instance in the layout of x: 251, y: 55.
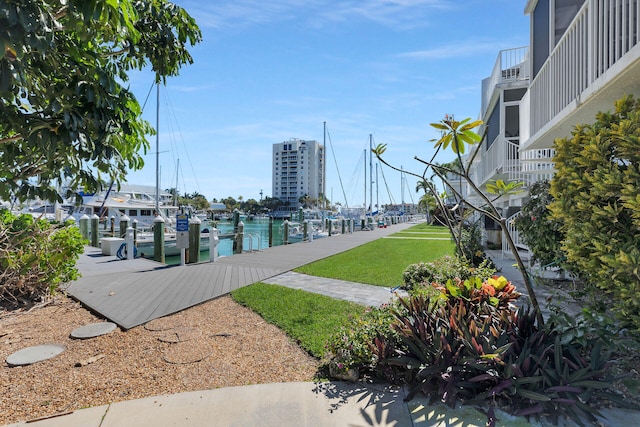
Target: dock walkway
x: 133, y: 292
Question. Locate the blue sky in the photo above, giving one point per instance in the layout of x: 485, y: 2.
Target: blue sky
x: 268, y: 71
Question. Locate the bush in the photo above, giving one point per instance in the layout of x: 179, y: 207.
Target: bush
x: 540, y: 232
x: 597, y: 200
x: 469, y: 345
x: 351, y: 345
x: 36, y: 258
x: 442, y: 270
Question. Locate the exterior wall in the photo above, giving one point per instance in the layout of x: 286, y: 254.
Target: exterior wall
x: 594, y: 60
x: 297, y: 170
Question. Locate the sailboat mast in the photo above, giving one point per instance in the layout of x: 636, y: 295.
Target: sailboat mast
x: 324, y: 166
x: 365, y: 181
x: 371, y: 172
x: 402, y: 188
x: 158, y: 148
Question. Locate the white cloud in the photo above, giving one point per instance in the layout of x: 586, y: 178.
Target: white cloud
x: 399, y: 14
x: 459, y: 49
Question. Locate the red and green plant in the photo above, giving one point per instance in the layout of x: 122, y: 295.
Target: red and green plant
x: 468, y: 344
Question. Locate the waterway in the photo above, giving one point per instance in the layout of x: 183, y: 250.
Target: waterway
x: 256, y: 236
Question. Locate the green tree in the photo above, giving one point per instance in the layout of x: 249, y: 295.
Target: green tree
x: 459, y: 134
x: 597, y: 200
x: 66, y: 113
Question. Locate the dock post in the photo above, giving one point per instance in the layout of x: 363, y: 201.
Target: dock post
x: 305, y: 231
x: 84, y: 226
x: 194, y: 240
x: 285, y: 232
x: 270, y: 231
x: 237, y: 244
x: 124, y: 224
x: 344, y: 225
x: 112, y: 225
x: 213, y: 244
x: 158, y: 239
x: 135, y: 231
x: 236, y: 220
x: 300, y: 215
x: 130, y: 243
x: 95, y: 233
x: 329, y: 227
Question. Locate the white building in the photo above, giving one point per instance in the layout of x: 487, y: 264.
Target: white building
x: 298, y: 170
x: 583, y: 56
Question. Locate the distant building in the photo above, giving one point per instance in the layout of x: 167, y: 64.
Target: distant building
x: 298, y: 171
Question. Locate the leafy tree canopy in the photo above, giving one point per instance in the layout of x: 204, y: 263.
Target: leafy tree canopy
x: 66, y: 113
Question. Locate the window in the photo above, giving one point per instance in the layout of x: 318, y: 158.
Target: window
x: 133, y: 212
x: 145, y: 212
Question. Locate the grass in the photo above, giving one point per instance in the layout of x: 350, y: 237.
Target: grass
x: 308, y: 318
x: 382, y: 261
x: 311, y: 318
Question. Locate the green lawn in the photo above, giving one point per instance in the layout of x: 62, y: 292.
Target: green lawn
x: 306, y: 317
x: 311, y: 318
x: 382, y: 261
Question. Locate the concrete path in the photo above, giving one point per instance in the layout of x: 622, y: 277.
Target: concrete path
x: 340, y: 289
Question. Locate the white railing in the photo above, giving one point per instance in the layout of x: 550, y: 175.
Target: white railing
x: 515, y: 236
x: 601, y: 34
x: 502, y: 158
x: 511, y: 65
x: 537, y: 165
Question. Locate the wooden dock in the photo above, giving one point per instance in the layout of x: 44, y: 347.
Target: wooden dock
x: 133, y: 292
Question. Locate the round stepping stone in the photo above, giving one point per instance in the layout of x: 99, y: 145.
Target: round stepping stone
x: 93, y: 330
x: 34, y: 354
x: 161, y: 324
x: 184, y: 353
x: 179, y: 334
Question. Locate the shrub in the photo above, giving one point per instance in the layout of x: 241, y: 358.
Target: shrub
x: 36, y: 258
x: 539, y: 230
x: 350, y: 346
x: 597, y: 200
x: 443, y: 269
x: 469, y: 345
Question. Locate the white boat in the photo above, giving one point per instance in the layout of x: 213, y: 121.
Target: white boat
x: 132, y: 201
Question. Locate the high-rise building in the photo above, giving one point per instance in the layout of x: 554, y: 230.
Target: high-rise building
x: 298, y: 171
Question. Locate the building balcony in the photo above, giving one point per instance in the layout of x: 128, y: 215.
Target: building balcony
x: 500, y: 161
x: 511, y: 67
x: 537, y: 164
x: 596, y: 62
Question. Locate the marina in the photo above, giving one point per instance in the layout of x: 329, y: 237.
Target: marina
x: 133, y: 292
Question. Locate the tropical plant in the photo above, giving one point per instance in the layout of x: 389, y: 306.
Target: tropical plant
x: 350, y: 346
x: 442, y: 270
x: 67, y: 114
x: 459, y: 134
x: 539, y: 231
x: 469, y: 345
x: 597, y: 201
x: 36, y: 257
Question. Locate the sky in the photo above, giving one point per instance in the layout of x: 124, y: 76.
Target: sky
x: 269, y: 71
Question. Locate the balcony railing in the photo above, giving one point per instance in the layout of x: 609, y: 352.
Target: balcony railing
x: 511, y: 65
x: 538, y: 164
x: 501, y: 160
x: 602, y: 33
